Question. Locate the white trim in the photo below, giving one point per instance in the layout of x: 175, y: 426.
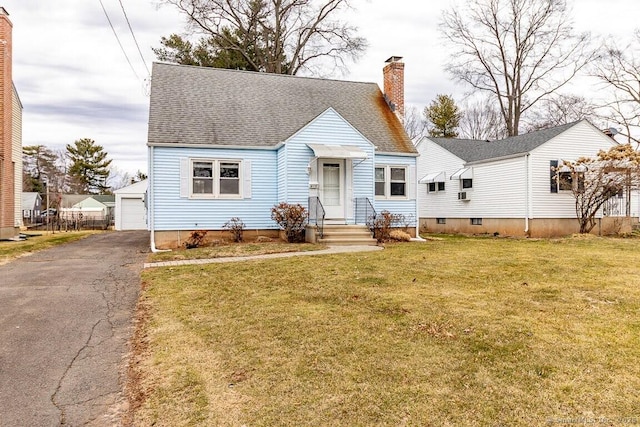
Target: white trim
x: 215, y: 178
x: 387, y: 181
x: 217, y: 146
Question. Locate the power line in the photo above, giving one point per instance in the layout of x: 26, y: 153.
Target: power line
x: 118, y: 39
x: 134, y: 37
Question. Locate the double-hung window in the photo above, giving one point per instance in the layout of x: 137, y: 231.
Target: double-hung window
x: 391, y: 182
x: 380, y: 180
x: 216, y: 178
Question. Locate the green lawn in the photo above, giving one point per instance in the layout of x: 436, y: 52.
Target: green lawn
x: 452, y: 332
x: 37, y: 241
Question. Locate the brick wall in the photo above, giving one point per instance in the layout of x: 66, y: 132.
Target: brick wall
x: 7, y: 169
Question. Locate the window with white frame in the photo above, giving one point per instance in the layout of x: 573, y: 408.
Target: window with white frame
x: 216, y: 178
x: 435, y: 186
x: 380, y: 182
x: 391, y: 181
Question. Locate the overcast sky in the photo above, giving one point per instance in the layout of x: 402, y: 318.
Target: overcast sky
x: 74, y: 80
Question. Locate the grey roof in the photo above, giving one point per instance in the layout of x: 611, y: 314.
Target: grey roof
x: 471, y: 150
x: 69, y: 200
x: 105, y: 198
x: 198, y: 105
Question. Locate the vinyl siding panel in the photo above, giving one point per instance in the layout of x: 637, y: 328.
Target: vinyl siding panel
x: 173, y: 212
x: 578, y: 141
x: 16, y: 154
x: 282, y: 174
x: 499, y: 191
x: 435, y: 159
x: 330, y: 129
x: 406, y: 207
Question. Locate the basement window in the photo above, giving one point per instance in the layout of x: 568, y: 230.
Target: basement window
x: 476, y: 221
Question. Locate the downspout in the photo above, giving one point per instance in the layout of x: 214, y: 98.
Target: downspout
x: 526, y: 195
x: 152, y: 207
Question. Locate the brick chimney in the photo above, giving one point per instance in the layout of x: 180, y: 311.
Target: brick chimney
x: 393, y: 74
x: 7, y: 197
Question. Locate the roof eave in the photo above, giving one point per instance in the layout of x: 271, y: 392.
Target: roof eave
x: 496, y: 159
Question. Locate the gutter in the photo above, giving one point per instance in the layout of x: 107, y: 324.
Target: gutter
x: 152, y: 207
x: 526, y: 194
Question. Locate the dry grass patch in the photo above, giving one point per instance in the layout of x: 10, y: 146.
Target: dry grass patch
x: 37, y: 242
x: 461, y: 331
x: 233, y: 250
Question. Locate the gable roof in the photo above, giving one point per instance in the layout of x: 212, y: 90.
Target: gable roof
x: 199, y: 105
x: 473, y: 150
x: 29, y: 199
x: 105, y: 199
x: 139, y: 187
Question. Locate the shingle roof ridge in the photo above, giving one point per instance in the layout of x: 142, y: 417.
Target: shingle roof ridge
x: 262, y: 73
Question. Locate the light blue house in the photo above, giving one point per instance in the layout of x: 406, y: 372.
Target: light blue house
x: 226, y: 143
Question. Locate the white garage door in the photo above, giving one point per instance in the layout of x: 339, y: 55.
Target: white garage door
x: 133, y: 214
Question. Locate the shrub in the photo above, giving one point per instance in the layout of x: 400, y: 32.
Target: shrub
x: 400, y: 236
x: 236, y: 227
x: 196, y: 239
x: 292, y: 218
x: 383, y: 223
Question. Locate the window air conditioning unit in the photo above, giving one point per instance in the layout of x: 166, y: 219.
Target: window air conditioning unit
x: 463, y: 195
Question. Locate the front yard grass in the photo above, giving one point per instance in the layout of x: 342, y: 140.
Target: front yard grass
x: 452, y: 332
x: 37, y: 241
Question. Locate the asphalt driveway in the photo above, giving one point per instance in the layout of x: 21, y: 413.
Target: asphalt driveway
x: 65, y: 321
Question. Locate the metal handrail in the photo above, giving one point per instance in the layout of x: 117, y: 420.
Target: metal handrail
x: 365, y: 212
x: 316, y: 214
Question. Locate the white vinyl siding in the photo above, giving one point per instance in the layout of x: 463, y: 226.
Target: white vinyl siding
x: 16, y: 155
x: 578, y: 141
x: 435, y: 159
x: 500, y: 187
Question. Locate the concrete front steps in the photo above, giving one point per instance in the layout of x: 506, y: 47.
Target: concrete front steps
x: 343, y: 235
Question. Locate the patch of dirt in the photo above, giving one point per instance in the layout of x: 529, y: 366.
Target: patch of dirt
x: 133, y: 388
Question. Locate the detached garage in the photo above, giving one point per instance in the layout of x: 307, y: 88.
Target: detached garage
x: 131, y: 212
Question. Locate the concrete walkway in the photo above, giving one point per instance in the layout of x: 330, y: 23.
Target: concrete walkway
x: 330, y: 250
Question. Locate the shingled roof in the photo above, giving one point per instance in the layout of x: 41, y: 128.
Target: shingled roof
x: 472, y: 150
x: 198, y: 105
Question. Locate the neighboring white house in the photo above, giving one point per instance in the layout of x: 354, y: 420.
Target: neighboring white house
x: 80, y: 207
x: 131, y: 213
x: 508, y: 186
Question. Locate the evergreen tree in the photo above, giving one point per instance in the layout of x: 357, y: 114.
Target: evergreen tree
x: 444, y: 116
x: 89, y: 168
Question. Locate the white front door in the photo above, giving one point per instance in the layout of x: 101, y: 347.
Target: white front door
x: 332, y: 188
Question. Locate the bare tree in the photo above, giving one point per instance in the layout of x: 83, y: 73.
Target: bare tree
x: 414, y: 123
x: 562, y: 109
x: 276, y: 36
x: 517, y: 51
x: 619, y: 69
x: 481, y: 120
x: 594, y: 182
